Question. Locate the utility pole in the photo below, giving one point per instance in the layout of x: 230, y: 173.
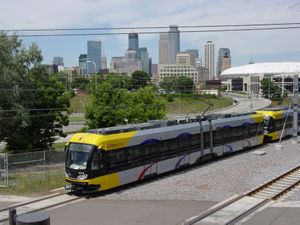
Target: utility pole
x: 295, y: 109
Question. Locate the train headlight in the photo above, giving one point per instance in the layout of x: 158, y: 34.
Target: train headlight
x: 82, y: 176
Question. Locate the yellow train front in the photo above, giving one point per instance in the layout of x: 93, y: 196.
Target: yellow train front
x: 278, y: 123
x: 87, y: 161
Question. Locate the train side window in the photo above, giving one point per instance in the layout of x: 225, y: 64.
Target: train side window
x: 261, y: 128
x: 173, y: 147
x: 206, y: 139
x: 184, y: 144
x: 218, y: 137
x: 271, y: 125
x: 150, y: 152
x: 134, y: 156
x: 163, y: 150
x: 95, y: 161
x: 117, y: 159
x: 195, y: 142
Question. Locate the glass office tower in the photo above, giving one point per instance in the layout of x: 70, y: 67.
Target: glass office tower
x: 94, y: 55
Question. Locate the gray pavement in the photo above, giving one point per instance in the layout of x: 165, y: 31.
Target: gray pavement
x: 127, y: 212
x: 276, y: 216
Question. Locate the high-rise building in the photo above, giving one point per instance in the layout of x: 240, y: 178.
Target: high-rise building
x: 59, y: 61
x: 198, y: 63
x: 185, y: 58
x: 82, y: 63
x: 194, y: 55
x: 169, y: 45
x: 163, y: 48
x: 133, y: 41
x: 144, y: 57
x: 94, y: 55
x: 195, y: 52
x: 209, y: 58
x: 174, y: 43
x: 104, y: 62
x: 224, y: 60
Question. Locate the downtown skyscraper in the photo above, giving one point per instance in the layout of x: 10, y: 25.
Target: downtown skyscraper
x: 169, y: 45
x: 133, y: 41
x: 224, y: 60
x: 94, y: 55
x: 209, y: 58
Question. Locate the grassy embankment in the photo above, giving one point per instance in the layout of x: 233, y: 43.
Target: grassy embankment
x: 182, y: 104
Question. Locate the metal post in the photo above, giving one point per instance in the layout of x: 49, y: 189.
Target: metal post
x: 295, y: 117
x: 6, y: 166
x: 12, y: 216
x: 90, y: 61
x: 44, y: 165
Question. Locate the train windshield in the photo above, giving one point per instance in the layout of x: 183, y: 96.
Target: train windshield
x: 78, y: 155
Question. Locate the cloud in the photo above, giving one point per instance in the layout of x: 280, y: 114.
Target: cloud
x: 20, y: 14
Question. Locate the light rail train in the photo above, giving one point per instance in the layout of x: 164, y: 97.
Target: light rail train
x: 106, y: 158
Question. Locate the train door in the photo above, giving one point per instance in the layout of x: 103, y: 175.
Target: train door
x: 150, y: 152
x: 184, y: 143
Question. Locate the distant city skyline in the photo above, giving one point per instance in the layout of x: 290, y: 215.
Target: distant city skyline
x: 264, y: 45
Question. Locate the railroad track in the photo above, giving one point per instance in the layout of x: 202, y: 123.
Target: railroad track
x: 42, y: 203
x: 235, y: 209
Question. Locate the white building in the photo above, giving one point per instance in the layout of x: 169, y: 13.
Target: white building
x: 209, y: 58
x: 168, y: 70
x: 247, y: 78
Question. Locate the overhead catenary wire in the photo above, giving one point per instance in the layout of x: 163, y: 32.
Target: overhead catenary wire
x: 155, y: 32
x: 149, y: 27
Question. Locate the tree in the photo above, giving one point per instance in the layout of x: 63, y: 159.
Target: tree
x: 62, y: 77
x: 107, y: 107
x: 33, y: 105
x: 80, y: 83
x: 270, y: 90
x: 114, y: 106
x: 118, y: 80
x: 184, y: 85
x: 139, y: 79
x: 144, y: 106
x: 168, y: 83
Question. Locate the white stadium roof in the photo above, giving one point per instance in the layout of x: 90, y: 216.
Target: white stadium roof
x: 264, y: 68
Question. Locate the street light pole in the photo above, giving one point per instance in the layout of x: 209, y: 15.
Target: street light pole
x: 89, y: 61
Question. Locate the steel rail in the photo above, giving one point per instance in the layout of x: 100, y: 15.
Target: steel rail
x: 251, y: 193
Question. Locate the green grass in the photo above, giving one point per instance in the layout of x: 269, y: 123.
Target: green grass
x: 197, y: 105
x: 77, y: 119
x: 285, y: 102
x: 59, y: 146
x: 33, y: 184
x: 79, y: 102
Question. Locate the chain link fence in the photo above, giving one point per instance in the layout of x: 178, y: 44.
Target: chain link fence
x: 39, y: 166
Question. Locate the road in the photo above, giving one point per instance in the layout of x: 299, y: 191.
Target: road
x: 246, y: 105
x: 243, y: 104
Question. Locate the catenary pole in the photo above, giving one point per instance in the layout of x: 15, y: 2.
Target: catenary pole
x: 295, y: 109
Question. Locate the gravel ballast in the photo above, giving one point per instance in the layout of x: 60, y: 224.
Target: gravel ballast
x: 219, y: 179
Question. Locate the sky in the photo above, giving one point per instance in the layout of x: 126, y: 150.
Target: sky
x: 262, y: 46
